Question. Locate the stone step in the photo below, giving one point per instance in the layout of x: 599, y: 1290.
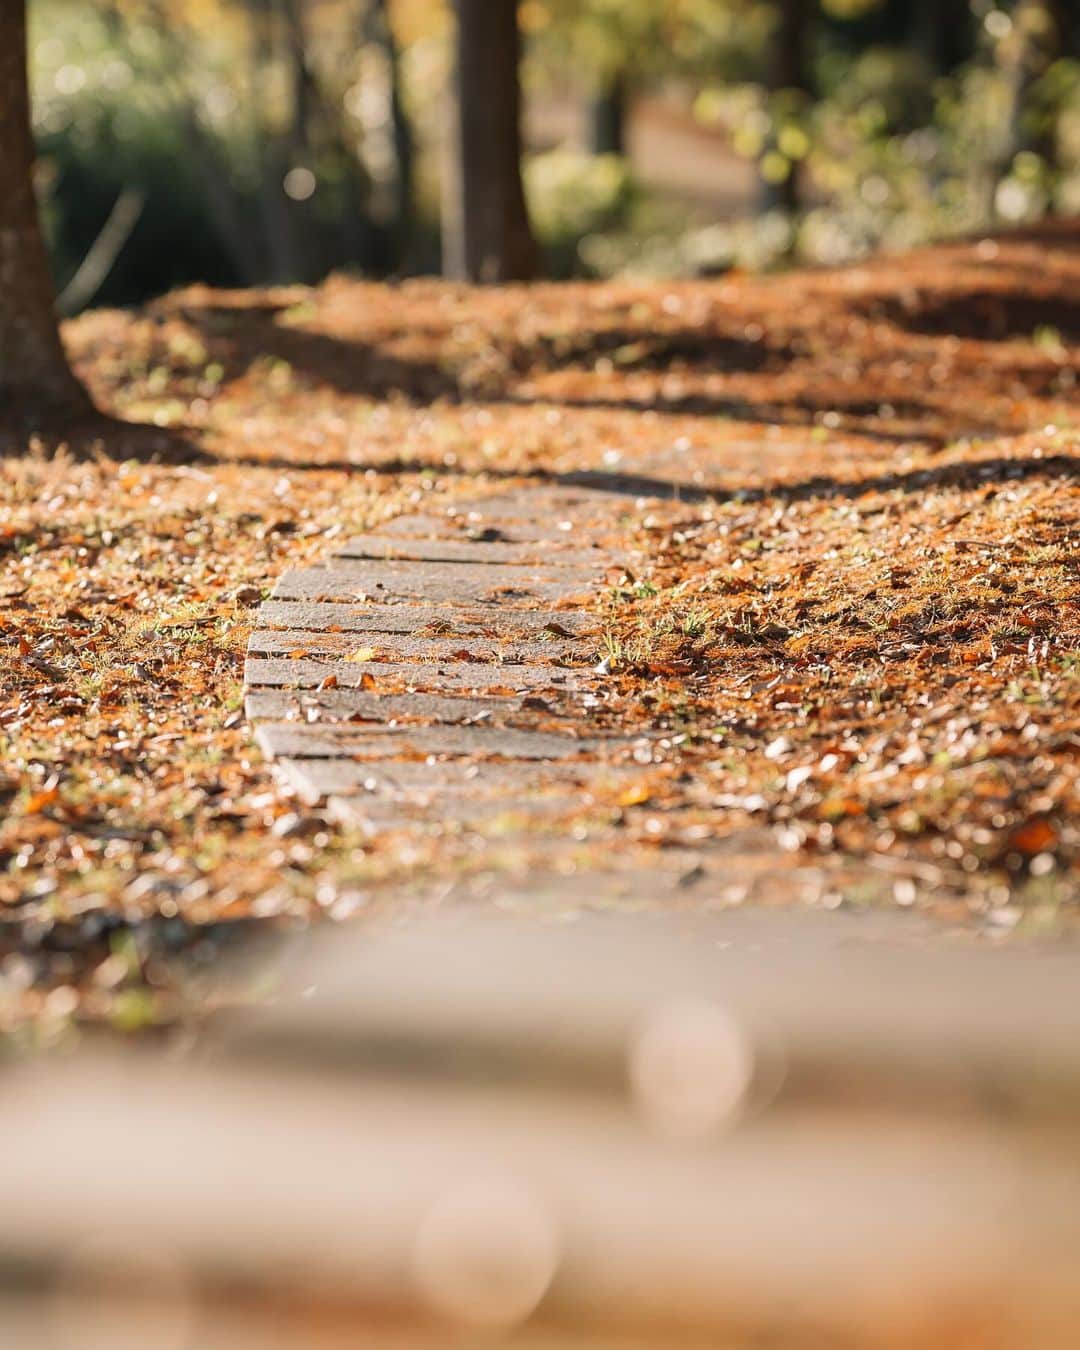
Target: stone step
x: 435, y: 619
x: 468, y: 676
x: 370, y: 647
x: 481, y: 552
x: 455, y: 779
x: 358, y: 705
x: 416, y: 582
x: 318, y: 741
x: 476, y: 525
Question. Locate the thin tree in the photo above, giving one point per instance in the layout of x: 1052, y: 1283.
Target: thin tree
x: 941, y: 30
x: 35, y: 378
x: 608, y: 116
x: 381, y: 32
x: 788, y: 80
x: 486, y: 231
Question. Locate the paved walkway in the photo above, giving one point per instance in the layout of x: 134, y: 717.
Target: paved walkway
x: 441, y: 678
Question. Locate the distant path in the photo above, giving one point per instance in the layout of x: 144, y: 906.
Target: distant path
x: 671, y: 153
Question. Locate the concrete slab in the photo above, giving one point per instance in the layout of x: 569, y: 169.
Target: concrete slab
x: 319, y: 741
x: 359, y: 705
x: 365, y: 648
x: 480, y: 552
x: 430, y: 620
x: 415, y: 582
x: 308, y: 672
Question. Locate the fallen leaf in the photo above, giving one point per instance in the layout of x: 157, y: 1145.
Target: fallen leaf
x: 40, y: 800
x: 1035, y: 836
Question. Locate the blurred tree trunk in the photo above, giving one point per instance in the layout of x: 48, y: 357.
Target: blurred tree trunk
x: 34, y: 373
x: 789, y: 73
x: 301, y: 81
x: 957, y: 32
x: 927, y: 32
x: 272, y: 162
x: 486, y: 231
x: 382, y: 33
x: 312, y: 125
x: 608, y: 117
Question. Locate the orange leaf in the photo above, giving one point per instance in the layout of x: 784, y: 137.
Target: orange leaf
x: 40, y: 800
x: 1035, y: 836
x: 835, y: 808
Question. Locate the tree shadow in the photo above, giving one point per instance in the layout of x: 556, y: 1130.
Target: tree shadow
x: 979, y: 473
x: 631, y: 349
x: 983, y: 313
x: 238, y: 338
x: 98, y: 436
x: 1061, y: 233
x: 928, y: 424
x: 975, y: 474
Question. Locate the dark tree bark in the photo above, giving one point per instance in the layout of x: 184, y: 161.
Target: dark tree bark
x: 789, y: 70
x: 942, y: 30
x: 486, y: 231
x: 927, y: 33
x: 35, y: 377
x: 382, y: 33
x: 282, y: 246
x: 608, y: 119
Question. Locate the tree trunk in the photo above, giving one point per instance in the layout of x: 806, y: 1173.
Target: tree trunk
x: 788, y: 71
x: 486, y: 232
x: 608, y: 120
x: 942, y: 31
x: 928, y: 33
x: 34, y: 374
x: 275, y: 216
x: 382, y: 33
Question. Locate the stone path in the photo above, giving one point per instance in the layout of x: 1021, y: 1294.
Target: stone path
x: 444, y: 663
x: 446, y: 672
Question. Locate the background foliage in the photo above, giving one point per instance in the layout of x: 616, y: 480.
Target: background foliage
x: 266, y: 140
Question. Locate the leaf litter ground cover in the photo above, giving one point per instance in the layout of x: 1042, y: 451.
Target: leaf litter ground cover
x: 851, y: 621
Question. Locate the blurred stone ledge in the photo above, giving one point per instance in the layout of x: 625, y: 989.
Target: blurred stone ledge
x: 614, y: 1132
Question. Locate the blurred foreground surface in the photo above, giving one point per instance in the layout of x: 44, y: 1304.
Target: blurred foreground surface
x: 735, y: 1130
